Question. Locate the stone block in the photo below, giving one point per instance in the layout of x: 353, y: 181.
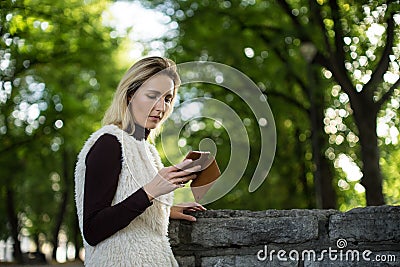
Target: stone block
x: 366, y: 224
x: 219, y: 261
x: 185, y: 261
x: 248, y: 231
x: 173, y: 232
x: 252, y: 260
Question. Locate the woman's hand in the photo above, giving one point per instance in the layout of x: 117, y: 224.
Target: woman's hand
x: 177, y: 211
x: 170, y: 178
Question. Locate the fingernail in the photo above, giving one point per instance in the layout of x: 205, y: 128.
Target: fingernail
x: 193, y: 219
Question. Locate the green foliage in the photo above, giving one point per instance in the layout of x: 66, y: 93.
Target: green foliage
x: 270, y: 42
x: 391, y: 170
x: 57, y: 77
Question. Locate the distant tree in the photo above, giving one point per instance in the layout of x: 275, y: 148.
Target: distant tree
x: 358, y: 64
x: 57, y: 69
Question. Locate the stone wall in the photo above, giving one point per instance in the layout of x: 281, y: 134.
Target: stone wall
x: 360, y: 237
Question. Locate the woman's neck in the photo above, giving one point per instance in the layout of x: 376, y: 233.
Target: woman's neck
x: 140, y: 132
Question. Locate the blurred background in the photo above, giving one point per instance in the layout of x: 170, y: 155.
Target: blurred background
x: 329, y: 69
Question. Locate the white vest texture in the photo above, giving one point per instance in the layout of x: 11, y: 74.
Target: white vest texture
x: 144, y: 242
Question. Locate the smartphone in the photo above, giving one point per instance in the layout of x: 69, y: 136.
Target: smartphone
x: 201, y: 158
x: 206, y: 176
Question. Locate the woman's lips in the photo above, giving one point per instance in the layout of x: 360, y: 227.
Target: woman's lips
x: 154, y: 118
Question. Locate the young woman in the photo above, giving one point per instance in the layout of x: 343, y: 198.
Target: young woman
x: 123, y: 192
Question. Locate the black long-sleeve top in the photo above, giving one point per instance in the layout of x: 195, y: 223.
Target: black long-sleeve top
x: 103, y: 166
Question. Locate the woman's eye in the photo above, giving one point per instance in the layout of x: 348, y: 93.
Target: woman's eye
x: 151, y: 96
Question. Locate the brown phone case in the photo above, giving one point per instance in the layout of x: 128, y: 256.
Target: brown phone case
x: 208, y: 174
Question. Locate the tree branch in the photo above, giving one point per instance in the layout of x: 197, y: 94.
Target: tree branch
x: 14, y: 145
x: 383, y: 64
x: 322, y: 60
x: 258, y: 28
x: 285, y: 6
x: 303, y: 86
x: 337, y: 59
x: 338, y: 73
x: 315, y: 13
x: 281, y: 56
x: 340, y: 57
x: 387, y: 95
x: 288, y: 99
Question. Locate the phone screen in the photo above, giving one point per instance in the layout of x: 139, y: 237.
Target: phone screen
x: 199, y: 158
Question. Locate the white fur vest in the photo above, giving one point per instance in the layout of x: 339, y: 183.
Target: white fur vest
x: 144, y: 241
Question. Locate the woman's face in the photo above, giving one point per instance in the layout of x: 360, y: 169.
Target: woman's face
x: 152, y: 100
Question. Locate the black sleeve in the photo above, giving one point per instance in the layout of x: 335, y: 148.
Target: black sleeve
x: 100, y: 218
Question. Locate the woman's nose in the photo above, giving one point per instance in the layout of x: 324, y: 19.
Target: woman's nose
x: 160, y: 105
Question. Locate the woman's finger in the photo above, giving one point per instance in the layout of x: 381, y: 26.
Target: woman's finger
x: 200, y: 208
x: 169, y: 173
x: 188, y: 217
x: 196, y: 208
x: 181, y: 173
x: 180, y: 165
x: 183, y: 180
x: 189, y: 205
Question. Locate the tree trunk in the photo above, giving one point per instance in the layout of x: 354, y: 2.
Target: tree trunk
x: 372, y: 176
x: 77, y: 240
x: 327, y: 188
x: 13, y: 220
x: 64, y: 202
x: 325, y: 193
x: 310, y: 199
x: 328, y: 193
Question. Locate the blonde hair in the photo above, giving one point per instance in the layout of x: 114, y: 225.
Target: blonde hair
x: 118, y: 112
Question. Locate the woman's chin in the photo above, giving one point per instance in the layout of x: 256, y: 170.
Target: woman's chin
x: 151, y: 125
